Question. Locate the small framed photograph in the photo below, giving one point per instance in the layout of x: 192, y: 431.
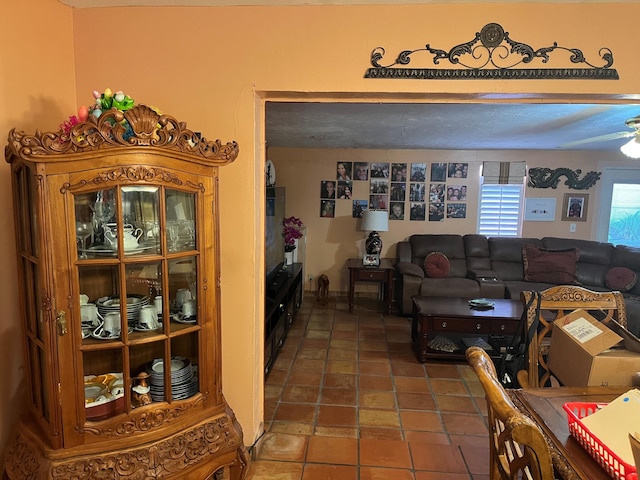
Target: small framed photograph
x: 574, y: 207
x: 371, y: 260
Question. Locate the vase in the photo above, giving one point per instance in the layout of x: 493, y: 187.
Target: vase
x: 288, y: 258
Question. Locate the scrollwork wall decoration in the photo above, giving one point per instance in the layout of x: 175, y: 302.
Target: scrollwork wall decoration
x: 492, y: 54
x: 548, y: 178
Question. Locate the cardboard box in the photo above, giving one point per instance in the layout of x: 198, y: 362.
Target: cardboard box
x: 580, y: 353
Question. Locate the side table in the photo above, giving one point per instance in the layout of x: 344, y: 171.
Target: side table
x: 382, y: 274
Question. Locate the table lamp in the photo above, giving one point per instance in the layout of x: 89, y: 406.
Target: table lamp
x: 374, y: 221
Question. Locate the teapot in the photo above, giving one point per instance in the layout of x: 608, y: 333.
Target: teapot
x: 130, y: 237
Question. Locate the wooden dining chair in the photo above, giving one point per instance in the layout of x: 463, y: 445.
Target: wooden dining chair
x: 517, y: 447
x: 556, y: 302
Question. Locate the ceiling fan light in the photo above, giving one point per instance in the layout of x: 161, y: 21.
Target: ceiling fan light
x: 631, y: 148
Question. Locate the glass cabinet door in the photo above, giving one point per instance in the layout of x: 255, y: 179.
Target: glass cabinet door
x: 137, y: 269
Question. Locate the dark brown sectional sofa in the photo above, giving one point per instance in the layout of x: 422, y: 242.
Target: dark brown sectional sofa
x: 494, y: 267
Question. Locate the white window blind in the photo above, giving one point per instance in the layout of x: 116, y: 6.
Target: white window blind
x: 500, y: 212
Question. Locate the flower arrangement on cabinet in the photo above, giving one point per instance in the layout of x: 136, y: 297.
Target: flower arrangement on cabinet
x: 292, y: 230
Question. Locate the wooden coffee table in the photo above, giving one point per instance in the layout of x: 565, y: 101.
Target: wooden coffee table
x: 455, y: 320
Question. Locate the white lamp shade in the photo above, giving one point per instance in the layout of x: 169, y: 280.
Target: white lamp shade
x: 375, y: 220
x: 632, y: 148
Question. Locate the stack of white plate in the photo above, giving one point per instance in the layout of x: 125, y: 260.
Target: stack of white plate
x: 184, y: 379
x: 112, y: 304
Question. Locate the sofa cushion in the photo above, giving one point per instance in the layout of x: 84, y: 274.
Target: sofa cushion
x: 622, y: 279
x: 595, y: 259
x: 506, y: 256
x: 550, y: 266
x: 436, y: 265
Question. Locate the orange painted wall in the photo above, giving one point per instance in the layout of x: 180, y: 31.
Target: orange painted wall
x: 214, y: 66
x: 37, y: 90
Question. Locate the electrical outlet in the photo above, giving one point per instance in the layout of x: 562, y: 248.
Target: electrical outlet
x: 572, y: 227
x: 310, y: 277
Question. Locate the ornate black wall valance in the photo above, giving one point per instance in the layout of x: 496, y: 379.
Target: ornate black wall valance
x: 492, y: 54
x: 545, y: 178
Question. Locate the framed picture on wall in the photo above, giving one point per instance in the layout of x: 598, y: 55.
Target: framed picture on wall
x: 574, y: 207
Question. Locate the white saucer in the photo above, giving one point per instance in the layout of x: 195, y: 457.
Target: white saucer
x: 178, y: 317
x: 141, y: 328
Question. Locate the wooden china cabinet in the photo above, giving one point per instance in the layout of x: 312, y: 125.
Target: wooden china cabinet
x: 118, y: 259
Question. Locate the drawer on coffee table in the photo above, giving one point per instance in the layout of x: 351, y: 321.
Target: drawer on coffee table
x: 460, y: 325
x: 504, y: 327
x: 364, y: 275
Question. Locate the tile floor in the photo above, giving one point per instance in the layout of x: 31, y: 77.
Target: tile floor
x: 347, y: 400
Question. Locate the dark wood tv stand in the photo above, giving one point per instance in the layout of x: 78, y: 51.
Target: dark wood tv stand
x: 281, y: 306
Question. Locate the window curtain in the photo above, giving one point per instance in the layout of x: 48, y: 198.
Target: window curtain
x: 503, y: 173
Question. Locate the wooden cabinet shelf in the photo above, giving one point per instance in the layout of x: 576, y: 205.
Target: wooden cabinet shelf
x: 119, y: 273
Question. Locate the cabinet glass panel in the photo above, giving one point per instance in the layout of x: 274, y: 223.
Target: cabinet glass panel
x: 104, y: 393
x: 99, y: 298
x: 141, y: 221
x: 184, y: 368
x: 95, y: 215
x: 27, y: 213
x: 180, y: 217
x: 144, y: 282
x: 183, y: 291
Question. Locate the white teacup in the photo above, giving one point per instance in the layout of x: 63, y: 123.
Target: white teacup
x: 182, y: 296
x: 189, y: 309
x: 89, y: 314
x: 112, y: 324
x: 157, y: 302
x: 148, y: 317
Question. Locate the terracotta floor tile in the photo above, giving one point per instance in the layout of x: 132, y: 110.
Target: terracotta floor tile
x: 281, y: 446
x: 295, y: 412
x: 378, y: 418
x: 272, y: 392
x: 374, y: 368
x: 407, y: 369
x: 287, y: 351
x: 269, y: 408
x: 283, y: 363
x: 470, y: 440
x: 441, y: 476
x: 340, y: 380
x: 373, y: 355
x: 332, y: 415
x: 307, y: 365
x: 326, y: 472
x: 411, y: 384
x: 421, y: 421
x: 335, y: 450
x: 476, y: 389
x: 341, y: 366
x: 343, y: 344
x: 344, y: 334
x: 277, y: 377
x: 268, y: 470
x: 477, y: 459
x: 375, y: 382
x: 293, y: 428
x: 437, y: 458
x: 305, y: 378
x: 347, y: 432
x: 440, y: 438
x: 447, y: 386
x: 345, y: 355
x: 452, y: 403
x: 381, y: 433
x: 377, y: 399
x: 458, y: 423
x: 300, y: 394
x: 348, y: 325
x: 416, y: 401
x: 311, y: 352
x: 373, y: 345
x: 323, y: 334
x: 375, y: 473
x: 338, y: 396
x: 442, y: 371
x: 384, y: 453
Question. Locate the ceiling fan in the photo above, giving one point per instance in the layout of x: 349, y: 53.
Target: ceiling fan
x: 631, y: 149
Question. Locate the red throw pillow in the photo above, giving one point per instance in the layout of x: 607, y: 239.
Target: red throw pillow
x: 550, y: 266
x: 622, y: 279
x: 436, y: 265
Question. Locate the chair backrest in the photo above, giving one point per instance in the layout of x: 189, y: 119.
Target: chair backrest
x: 517, y: 446
x: 556, y: 302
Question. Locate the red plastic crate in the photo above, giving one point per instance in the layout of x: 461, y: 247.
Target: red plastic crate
x: 608, y: 460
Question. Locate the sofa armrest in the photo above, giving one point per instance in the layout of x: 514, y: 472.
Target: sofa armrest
x: 408, y: 268
x: 403, y: 252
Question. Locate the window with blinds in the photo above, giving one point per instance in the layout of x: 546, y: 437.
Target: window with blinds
x: 501, y: 210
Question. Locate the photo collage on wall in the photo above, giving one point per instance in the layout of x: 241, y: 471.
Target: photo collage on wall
x: 416, y: 191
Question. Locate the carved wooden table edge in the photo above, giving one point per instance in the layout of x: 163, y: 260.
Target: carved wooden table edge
x: 566, y: 469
